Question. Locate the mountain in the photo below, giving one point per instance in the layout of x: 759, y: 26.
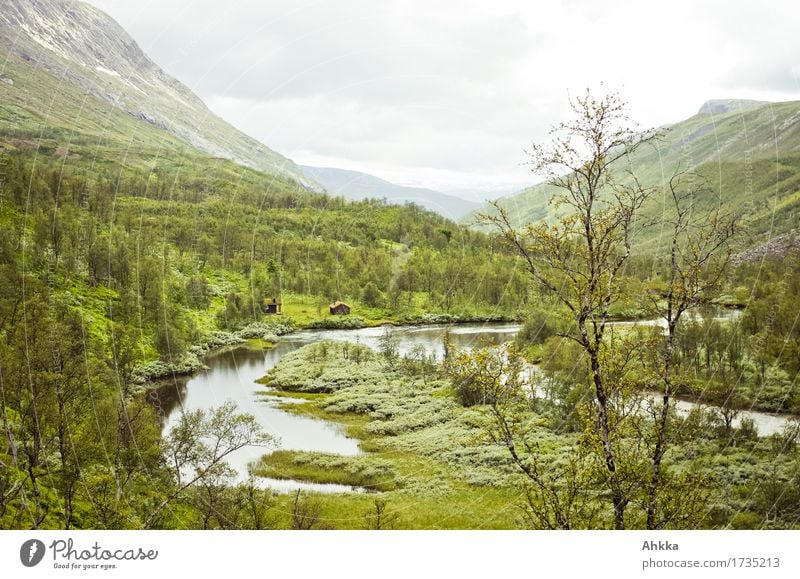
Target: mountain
x: 720, y: 106
x: 748, y: 152
x: 64, y: 55
x: 356, y: 186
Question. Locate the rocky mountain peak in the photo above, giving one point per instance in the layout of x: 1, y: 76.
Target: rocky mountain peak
x: 721, y: 106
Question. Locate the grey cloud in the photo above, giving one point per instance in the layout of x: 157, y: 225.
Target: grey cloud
x: 781, y: 75
x: 454, y: 87
x: 269, y: 49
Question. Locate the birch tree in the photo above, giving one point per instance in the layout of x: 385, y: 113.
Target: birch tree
x: 698, y: 257
x: 581, y: 258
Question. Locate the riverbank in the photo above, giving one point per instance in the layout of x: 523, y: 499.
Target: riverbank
x: 431, y: 464
x: 430, y: 339
x: 269, y: 330
x: 425, y: 454
x: 302, y: 313
x: 257, y: 334
x: 356, y: 322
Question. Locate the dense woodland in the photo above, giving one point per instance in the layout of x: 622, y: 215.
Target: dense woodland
x: 108, y: 270
x: 103, y: 273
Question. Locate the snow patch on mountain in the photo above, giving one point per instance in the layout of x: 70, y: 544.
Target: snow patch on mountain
x: 107, y: 71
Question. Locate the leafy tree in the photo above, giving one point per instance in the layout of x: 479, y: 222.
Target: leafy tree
x: 372, y: 295
x: 379, y: 517
x: 198, y: 444
x: 699, y: 254
x: 557, y: 498
x: 580, y: 260
x: 198, y: 291
x: 387, y: 346
x: 306, y: 513
x: 485, y: 376
x: 169, y: 340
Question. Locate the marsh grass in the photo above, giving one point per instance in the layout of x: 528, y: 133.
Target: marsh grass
x: 367, y: 471
x: 428, y: 456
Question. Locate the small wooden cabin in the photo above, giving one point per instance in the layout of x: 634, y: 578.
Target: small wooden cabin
x: 340, y: 308
x: 272, y: 306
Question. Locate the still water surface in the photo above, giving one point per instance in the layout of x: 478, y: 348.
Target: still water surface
x: 231, y: 375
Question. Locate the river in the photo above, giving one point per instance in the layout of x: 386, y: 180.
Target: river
x: 231, y: 375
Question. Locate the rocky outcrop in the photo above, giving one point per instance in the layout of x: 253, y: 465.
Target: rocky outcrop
x: 774, y: 248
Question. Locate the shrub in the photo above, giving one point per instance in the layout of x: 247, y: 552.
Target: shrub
x: 338, y: 323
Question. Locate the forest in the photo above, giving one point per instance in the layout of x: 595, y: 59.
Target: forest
x: 113, y: 279
x: 114, y: 276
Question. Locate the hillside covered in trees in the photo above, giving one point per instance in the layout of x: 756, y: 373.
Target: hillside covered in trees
x: 648, y: 325
x: 127, y: 252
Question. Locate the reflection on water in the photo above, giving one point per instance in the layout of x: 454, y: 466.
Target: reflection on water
x: 431, y: 338
x: 766, y: 424
x: 290, y: 486
x: 231, y: 376
x: 716, y: 314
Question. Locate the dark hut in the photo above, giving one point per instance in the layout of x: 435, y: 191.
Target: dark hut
x: 272, y: 306
x: 340, y: 308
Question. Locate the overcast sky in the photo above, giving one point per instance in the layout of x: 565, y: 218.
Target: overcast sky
x: 448, y: 94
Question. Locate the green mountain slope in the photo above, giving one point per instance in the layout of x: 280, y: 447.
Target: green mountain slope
x: 86, y: 53
x: 749, y: 153
x: 93, y: 195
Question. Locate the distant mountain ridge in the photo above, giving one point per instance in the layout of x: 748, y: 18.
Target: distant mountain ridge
x: 722, y: 106
x: 748, y: 152
x: 85, y: 47
x: 356, y: 186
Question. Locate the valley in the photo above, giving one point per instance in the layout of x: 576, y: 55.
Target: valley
x: 197, y: 332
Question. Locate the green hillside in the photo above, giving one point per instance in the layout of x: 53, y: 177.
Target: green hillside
x: 70, y: 159
x: 127, y: 254
x: 83, y: 47
x: 750, y: 158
